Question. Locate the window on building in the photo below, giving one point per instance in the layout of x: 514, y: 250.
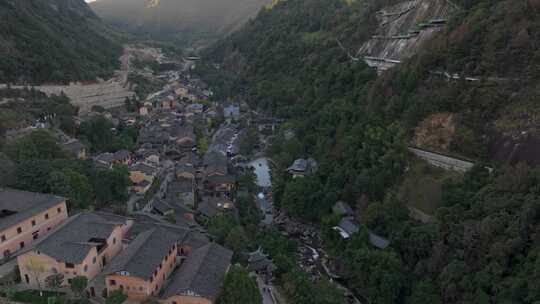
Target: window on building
x: 59, y: 209
x: 166, y: 257
x: 46, y: 216
x: 94, y: 260
x: 49, y: 229
x: 35, y: 236
x: 3, y: 238
x: 114, y: 240
x: 33, y: 222
x: 69, y: 281
x: 85, y: 268
x: 140, y: 288
x: 112, y: 282
x: 21, y: 244
x: 19, y: 229
x: 70, y: 265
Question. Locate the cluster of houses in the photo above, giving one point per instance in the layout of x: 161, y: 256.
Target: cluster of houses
x: 144, y: 256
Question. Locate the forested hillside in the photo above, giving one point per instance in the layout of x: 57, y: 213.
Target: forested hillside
x: 186, y: 22
x: 54, y: 40
x: 481, y: 70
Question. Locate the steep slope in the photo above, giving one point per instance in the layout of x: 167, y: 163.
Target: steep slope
x: 484, y: 68
x: 54, y: 40
x: 471, y: 89
x: 185, y: 21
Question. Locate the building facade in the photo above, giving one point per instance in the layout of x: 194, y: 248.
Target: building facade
x: 27, y: 217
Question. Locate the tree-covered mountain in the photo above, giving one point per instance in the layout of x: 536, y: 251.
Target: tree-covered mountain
x: 184, y: 21
x: 470, y: 90
x: 54, y: 40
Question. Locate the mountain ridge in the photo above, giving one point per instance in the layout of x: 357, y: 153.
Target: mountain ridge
x: 181, y: 21
x: 56, y: 40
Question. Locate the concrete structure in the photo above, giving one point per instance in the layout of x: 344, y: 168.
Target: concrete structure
x: 81, y: 246
x: 26, y: 217
x: 442, y: 161
x: 141, y: 270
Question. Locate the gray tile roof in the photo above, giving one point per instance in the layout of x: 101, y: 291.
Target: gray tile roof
x: 215, y: 163
x: 181, y: 131
x: 212, y: 206
x: 73, y: 146
x: 71, y: 241
x: 144, y: 168
x: 378, y: 241
x: 24, y: 204
x: 348, y: 225
x: 143, y: 255
x: 342, y: 208
x: 299, y: 165
x: 202, y: 273
x: 121, y: 154
x: 221, y: 179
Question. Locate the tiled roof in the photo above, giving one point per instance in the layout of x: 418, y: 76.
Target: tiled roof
x: 71, y: 241
x: 202, y: 273
x: 24, y: 204
x: 143, y: 255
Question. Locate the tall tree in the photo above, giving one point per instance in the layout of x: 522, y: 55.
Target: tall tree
x: 239, y: 287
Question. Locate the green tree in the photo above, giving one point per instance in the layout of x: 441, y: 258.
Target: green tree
x: 239, y: 287
x: 37, y: 145
x: 73, y: 185
x: 249, y: 141
x: 220, y: 226
x: 236, y: 240
x: 112, y: 185
x: 116, y: 297
x: 378, y: 274
x: 78, y: 285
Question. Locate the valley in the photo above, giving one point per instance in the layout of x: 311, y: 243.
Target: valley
x: 271, y: 152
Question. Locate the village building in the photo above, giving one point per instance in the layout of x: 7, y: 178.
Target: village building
x: 195, y: 108
x: 214, y: 163
x: 259, y: 262
x: 81, y: 246
x: 341, y: 208
x: 199, y: 279
x: 27, y: 217
x: 348, y: 226
x: 142, y: 269
x: 185, y: 169
x: 302, y: 167
x: 150, y: 156
x: 75, y: 148
x: 219, y: 185
x: 142, y: 176
x: 182, y: 192
x: 213, y: 206
x: 183, y: 137
x: 108, y: 160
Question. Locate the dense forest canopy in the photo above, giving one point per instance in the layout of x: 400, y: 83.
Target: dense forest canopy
x: 483, y: 245
x: 54, y: 41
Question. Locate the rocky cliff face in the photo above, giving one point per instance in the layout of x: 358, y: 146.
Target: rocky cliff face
x: 403, y: 29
